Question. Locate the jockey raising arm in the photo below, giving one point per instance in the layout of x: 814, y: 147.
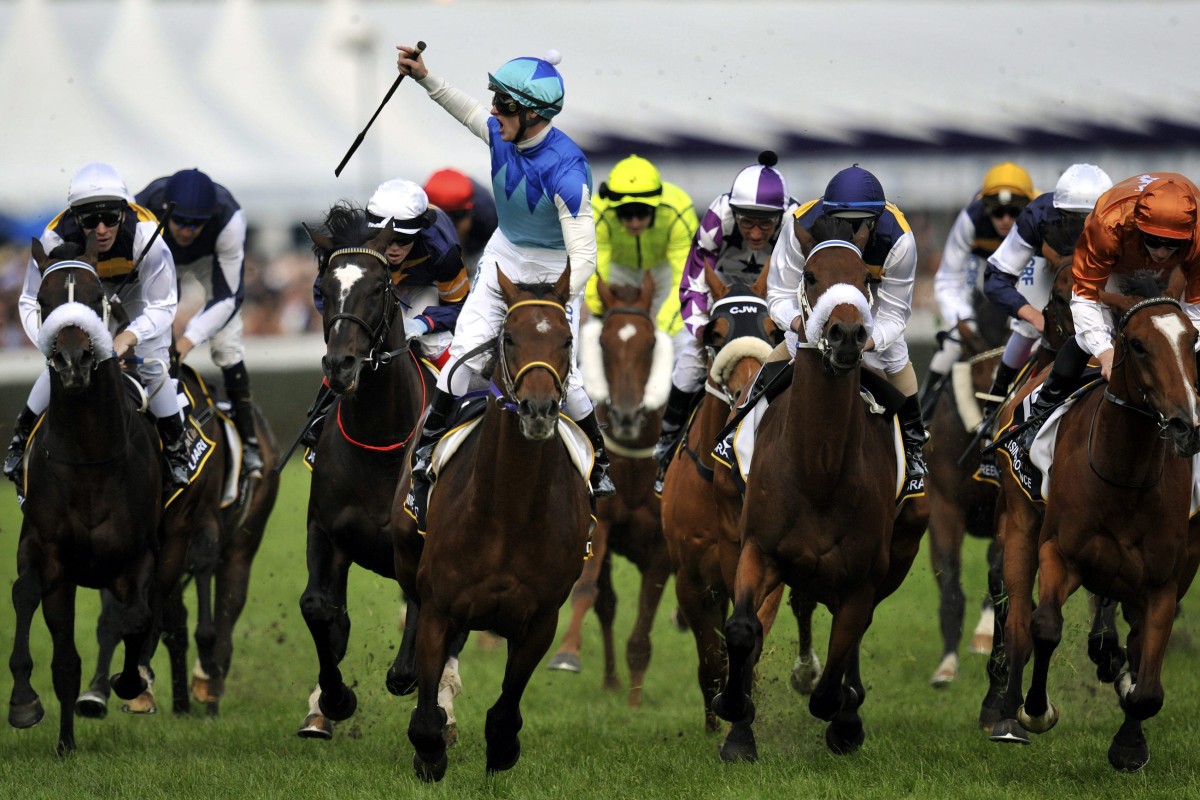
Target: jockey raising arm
x: 643, y: 225
x: 734, y: 238
x: 855, y: 195
x: 206, y: 234
x: 542, y: 185
x: 100, y: 204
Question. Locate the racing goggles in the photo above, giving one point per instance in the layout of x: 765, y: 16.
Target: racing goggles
x: 93, y: 220
x: 1163, y: 243
x: 505, y: 104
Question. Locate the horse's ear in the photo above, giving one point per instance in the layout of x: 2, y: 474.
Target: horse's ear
x: 381, y: 241
x: 91, y: 252
x: 646, y: 292
x: 1119, y: 303
x: 320, y: 240
x: 605, y: 292
x: 807, y: 242
x: 862, y: 236
x: 1176, y: 284
x: 715, y: 284
x: 760, y: 283
x: 1053, y: 259
x: 39, y: 254
x: 562, y: 286
x: 507, y: 289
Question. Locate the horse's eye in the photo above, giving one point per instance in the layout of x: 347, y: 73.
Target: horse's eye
x: 810, y: 279
x: 1137, y: 347
x: 507, y: 340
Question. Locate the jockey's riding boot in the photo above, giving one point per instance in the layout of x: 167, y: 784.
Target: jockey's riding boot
x: 174, y: 446
x: 602, y: 485
x: 930, y: 391
x: 679, y: 403
x: 14, y: 463
x: 1056, y: 388
x: 913, y: 436
x: 316, y: 415
x: 237, y: 386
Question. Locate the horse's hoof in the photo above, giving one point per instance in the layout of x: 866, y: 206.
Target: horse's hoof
x: 988, y: 717
x: 202, y: 690
x: 128, y: 690
x: 399, y: 683
x: 611, y: 683
x: 25, y: 715
x: 1128, y: 757
x: 566, y: 662
x: 339, y: 712
x: 450, y: 734
x: 981, y: 644
x: 505, y: 761
x: 142, y: 704
x: 92, y: 705
x: 65, y: 747
x: 805, y: 674
x: 739, y: 745
x: 430, y: 772
x: 845, y: 738
x: 1040, y: 723
x: 1009, y: 731
x: 316, y: 726
x: 946, y: 673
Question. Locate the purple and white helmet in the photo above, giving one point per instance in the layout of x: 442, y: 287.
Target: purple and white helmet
x: 760, y: 190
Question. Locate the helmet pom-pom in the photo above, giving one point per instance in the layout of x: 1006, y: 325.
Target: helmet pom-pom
x: 553, y: 57
x: 768, y: 158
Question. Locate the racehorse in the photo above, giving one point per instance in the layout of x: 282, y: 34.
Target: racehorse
x: 699, y: 512
x: 508, y: 525
x: 381, y: 390
x: 820, y: 514
x: 1116, y: 518
x: 209, y: 534
x: 627, y: 363
x: 94, y: 492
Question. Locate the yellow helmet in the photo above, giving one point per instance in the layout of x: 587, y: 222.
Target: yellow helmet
x: 1005, y: 182
x: 633, y: 180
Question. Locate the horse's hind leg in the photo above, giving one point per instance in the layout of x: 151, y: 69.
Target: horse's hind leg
x: 838, y: 693
x: 58, y: 608
x: 704, y: 611
x: 606, y: 611
x: 174, y: 636
x: 231, y: 586
x: 806, y: 671
x: 1055, y: 585
x: 94, y: 702
x: 402, y: 674
x: 844, y: 734
x: 425, y: 727
x: 946, y: 529
x: 583, y: 598
x: 137, y: 624
x: 638, y: 648
x: 24, y: 708
x: 204, y: 555
x: 1104, y: 642
x: 504, y: 720
x: 997, y: 663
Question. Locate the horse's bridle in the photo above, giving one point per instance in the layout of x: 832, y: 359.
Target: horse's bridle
x: 106, y: 308
x: 821, y: 345
x: 511, y: 382
x: 377, y: 356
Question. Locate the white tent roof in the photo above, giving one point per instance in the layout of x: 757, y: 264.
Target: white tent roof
x: 267, y: 96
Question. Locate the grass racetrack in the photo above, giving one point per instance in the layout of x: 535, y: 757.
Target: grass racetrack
x: 579, y: 741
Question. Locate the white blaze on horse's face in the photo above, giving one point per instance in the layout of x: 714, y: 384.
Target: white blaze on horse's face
x: 346, y: 277
x: 627, y: 332
x: 1172, y: 327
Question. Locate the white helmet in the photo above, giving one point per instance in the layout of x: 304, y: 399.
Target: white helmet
x: 404, y: 202
x: 1080, y: 186
x: 97, y: 183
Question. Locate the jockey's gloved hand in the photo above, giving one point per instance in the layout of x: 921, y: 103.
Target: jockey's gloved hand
x: 414, y: 328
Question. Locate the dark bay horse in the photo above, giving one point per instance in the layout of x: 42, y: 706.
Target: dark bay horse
x: 1115, y: 521
x: 508, y: 526
x: 93, y: 498
x: 627, y: 371
x: 699, y: 511
x: 209, y: 535
x: 820, y: 514
x: 381, y: 390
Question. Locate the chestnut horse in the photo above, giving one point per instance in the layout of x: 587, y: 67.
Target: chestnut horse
x: 93, y: 493
x: 627, y: 371
x: 821, y: 497
x: 381, y: 390
x: 700, y: 512
x: 508, y: 525
x: 1116, y: 518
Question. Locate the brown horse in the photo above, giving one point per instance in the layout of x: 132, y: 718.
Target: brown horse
x: 1116, y: 519
x: 627, y: 363
x: 94, y: 495
x: 508, y: 526
x: 700, y: 503
x: 820, y: 501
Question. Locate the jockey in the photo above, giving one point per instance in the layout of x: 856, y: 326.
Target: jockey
x: 543, y: 184
x: 891, y: 257
x: 470, y: 207
x: 643, y: 225
x: 206, y: 234
x: 975, y: 235
x: 99, y: 203
x: 1147, y: 222
x: 735, y: 238
x: 1053, y: 220
x: 428, y: 271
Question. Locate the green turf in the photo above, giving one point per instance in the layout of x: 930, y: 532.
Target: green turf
x: 580, y: 741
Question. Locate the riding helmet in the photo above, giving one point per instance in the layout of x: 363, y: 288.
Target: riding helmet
x: 1166, y: 208
x: 1007, y: 184
x: 634, y: 180
x: 533, y: 82
x: 759, y: 190
x: 1079, y: 187
x: 404, y: 203
x: 450, y: 190
x: 854, y: 193
x: 98, y: 187
x: 193, y: 193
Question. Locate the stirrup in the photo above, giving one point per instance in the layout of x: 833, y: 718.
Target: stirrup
x: 667, y: 442
x: 601, y: 483
x: 251, y: 459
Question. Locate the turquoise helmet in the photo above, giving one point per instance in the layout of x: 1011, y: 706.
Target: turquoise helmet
x: 532, y: 82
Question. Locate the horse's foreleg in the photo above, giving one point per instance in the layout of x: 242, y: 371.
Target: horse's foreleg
x: 997, y: 663
x: 1144, y: 698
x: 806, y: 671
x: 844, y: 734
x: 24, y: 708
x: 205, y: 557
x: 231, y: 586
x: 58, y: 608
x: 323, y: 606
x: 504, y: 719
x: 583, y: 597
x: 606, y: 613
x: 1056, y: 582
x: 174, y: 636
x: 947, y: 524
x: 756, y: 578
x: 428, y: 718
x: 704, y: 611
x: 94, y: 702
x: 1019, y: 540
x: 402, y: 674
x: 1104, y: 642
x: 831, y: 695
x: 638, y: 648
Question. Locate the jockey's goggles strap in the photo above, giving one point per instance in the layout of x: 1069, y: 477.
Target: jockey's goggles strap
x: 834, y: 243
x: 366, y: 251
x: 70, y: 264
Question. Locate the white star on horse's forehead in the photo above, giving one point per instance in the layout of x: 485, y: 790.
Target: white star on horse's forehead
x: 346, y: 276
x: 627, y: 332
x: 543, y: 325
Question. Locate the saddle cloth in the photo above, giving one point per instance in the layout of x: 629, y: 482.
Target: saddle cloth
x: 965, y: 401
x: 737, y: 449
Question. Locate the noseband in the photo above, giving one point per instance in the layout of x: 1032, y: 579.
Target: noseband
x: 511, y: 382
x: 377, y: 356
x: 102, y: 316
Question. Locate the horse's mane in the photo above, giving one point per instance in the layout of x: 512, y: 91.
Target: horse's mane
x: 1143, y: 283
x: 66, y: 250
x: 826, y: 228
x: 346, y: 224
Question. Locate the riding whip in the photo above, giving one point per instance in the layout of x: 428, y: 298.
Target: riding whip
x: 115, y: 299
x: 337, y: 173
